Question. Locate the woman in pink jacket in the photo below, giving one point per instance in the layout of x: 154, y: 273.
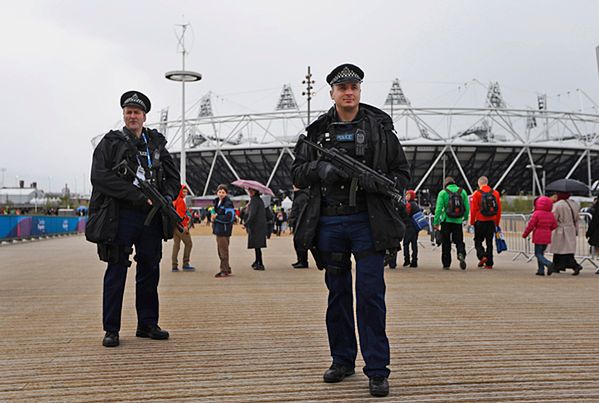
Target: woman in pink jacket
x: 541, y: 224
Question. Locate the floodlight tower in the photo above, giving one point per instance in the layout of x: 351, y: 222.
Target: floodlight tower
x: 308, y: 93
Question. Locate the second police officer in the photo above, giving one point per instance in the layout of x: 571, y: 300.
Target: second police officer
x: 336, y: 224
x: 118, y: 209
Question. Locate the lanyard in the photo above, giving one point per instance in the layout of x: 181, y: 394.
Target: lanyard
x: 147, y: 152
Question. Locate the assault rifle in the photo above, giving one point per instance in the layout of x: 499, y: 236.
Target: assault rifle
x: 354, y: 169
x: 159, y: 202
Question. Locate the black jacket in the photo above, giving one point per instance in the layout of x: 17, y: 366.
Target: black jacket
x: 256, y: 223
x: 225, y: 215
x: 300, y: 199
x: 593, y: 230
x: 389, y: 158
x: 110, y: 192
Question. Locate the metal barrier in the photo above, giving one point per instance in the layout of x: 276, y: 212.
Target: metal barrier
x: 584, y: 251
x: 512, y: 227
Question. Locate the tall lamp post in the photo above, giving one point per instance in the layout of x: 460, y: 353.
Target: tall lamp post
x: 183, y: 76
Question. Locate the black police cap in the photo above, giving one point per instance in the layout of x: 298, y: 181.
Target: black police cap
x: 136, y: 99
x: 346, y: 73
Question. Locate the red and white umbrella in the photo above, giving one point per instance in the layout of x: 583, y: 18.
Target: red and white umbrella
x: 250, y: 184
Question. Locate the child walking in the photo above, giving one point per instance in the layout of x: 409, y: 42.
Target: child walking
x: 541, y: 224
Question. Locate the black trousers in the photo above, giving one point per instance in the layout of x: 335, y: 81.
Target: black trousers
x: 564, y: 261
x: 410, y: 240
x: 302, y: 255
x: 484, y: 231
x: 148, y: 251
x: 451, y: 232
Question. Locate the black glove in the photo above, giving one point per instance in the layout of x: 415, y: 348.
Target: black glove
x: 367, y: 183
x: 141, y: 200
x: 329, y: 173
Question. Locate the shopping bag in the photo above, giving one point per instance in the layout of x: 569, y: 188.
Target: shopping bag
x: 420, y: 220
x: 500, y: 243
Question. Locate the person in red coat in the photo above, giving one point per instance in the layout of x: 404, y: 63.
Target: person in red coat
x: 485, y: 213
x: 541, y: 224
x: 185, y: 236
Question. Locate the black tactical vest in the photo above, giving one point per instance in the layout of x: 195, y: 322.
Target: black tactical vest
x: 352, y: 139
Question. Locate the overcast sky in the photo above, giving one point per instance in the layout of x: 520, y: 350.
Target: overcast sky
x: 64, y: 64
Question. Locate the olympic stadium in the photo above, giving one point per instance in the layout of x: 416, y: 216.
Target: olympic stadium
x: 519, y: 149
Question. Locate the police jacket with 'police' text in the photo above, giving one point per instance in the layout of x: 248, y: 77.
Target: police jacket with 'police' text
x: 385, y: 154
x: 110, y: 192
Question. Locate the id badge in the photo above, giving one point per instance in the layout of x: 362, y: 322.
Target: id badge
x: 139, y: 175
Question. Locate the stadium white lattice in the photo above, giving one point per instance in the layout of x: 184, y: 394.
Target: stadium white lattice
x: 518, y: 149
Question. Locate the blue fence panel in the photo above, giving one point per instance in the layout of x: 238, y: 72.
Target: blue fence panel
x: 15, y: 227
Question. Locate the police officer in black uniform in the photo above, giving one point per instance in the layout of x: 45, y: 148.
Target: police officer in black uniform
x: 118, y: 209
x: 343, y: 219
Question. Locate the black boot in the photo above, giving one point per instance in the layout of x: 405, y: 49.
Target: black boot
x: 151, y: 332
x: 337, y: 373
x: 406, y: 262
x: 111, y: 339
x: 379, y: 386
x: 414, y: 263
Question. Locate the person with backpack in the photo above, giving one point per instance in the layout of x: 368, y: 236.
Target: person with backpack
x: 410, y: 238
x: 222, y: 227
x: 451, y: 211
x: 485, y: 214
x: 541, y: 224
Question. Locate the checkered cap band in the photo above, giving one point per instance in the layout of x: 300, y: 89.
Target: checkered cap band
x: 345, y: 74
x: 134, y: 99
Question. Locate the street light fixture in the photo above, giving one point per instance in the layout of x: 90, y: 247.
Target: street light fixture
x: 183, y: 76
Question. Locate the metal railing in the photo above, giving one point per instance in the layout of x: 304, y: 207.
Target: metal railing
x: 512, y: 227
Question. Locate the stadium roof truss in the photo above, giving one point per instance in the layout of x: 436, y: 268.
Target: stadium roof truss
x: 515, y: 148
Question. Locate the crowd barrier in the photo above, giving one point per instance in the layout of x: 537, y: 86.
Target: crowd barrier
x: 15, y: 227
x: 513, y: 225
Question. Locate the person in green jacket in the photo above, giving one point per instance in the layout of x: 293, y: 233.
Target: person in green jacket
x: 451, y: 210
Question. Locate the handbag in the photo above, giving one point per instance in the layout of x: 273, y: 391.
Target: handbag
x: 500, y: 243
x: 419, y: 220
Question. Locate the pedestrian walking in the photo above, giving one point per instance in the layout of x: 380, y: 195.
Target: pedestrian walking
x: 222, y: 227
x: 410, y: 239
x: 341, y: 219
x: 541, y: 224
x: 451, y: 211
x: 255, y: 224
x: 592, y: 233
x: 485, y: 214
x: 118, y: 209
x: 300, y: 200
x: 184, y: 236
x: 563, y: 240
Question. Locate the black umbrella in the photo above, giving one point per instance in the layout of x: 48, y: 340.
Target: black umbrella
x: 567, y: 186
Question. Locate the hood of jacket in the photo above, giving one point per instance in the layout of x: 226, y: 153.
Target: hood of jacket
x: 124, y: 134
x: 180, y: 195
x: 543, y: 203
